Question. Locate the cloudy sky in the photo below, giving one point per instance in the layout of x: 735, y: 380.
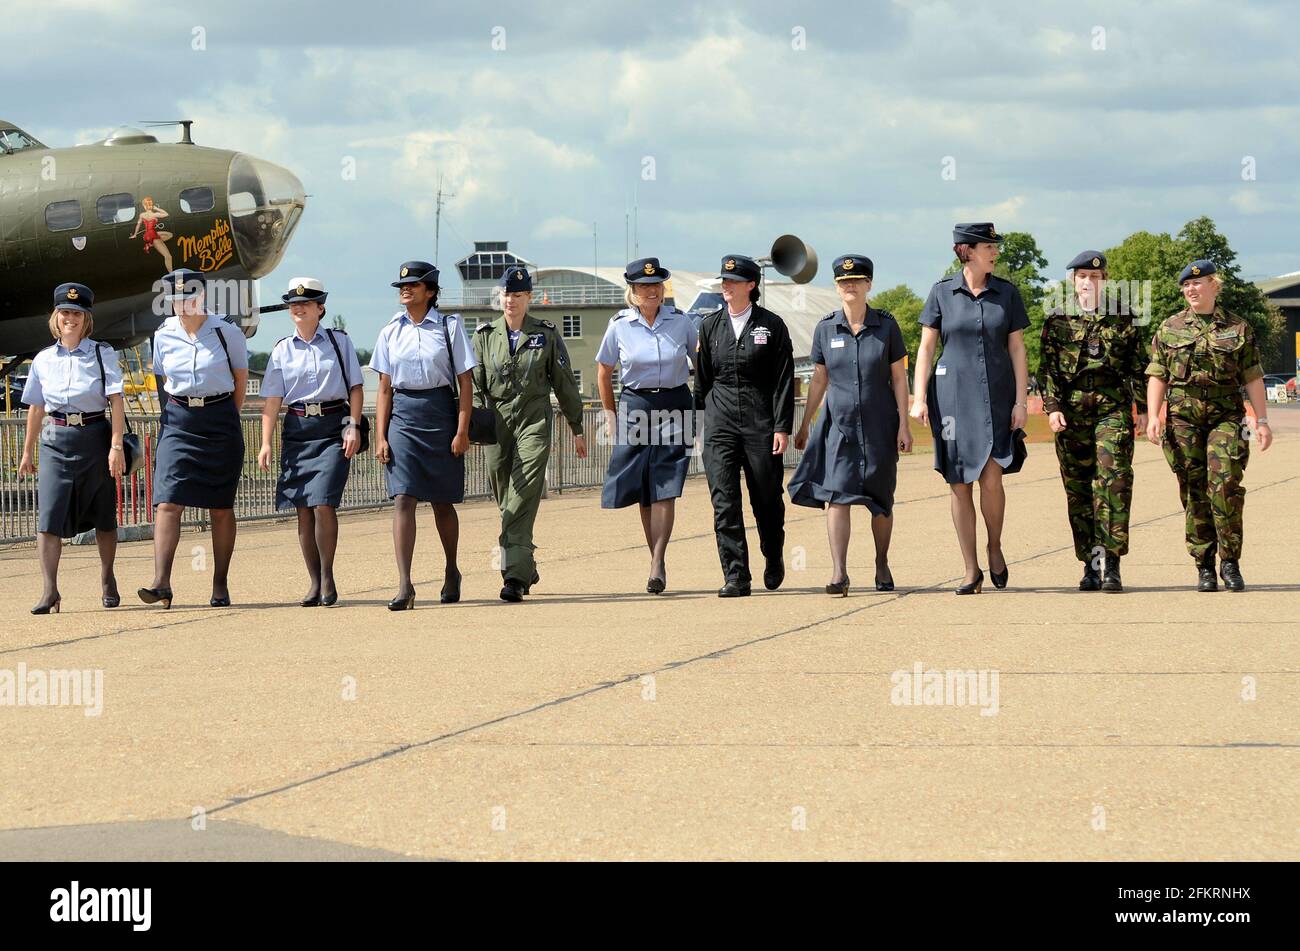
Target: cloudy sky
x: 864, y: 127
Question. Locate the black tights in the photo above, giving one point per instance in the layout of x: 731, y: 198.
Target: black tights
x: 167, y: 535
x: 448, y: 524
x: 318, y: 536
x: 49, y: 548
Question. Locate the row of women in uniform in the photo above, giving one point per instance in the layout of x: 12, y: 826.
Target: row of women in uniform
x: 433, y: 375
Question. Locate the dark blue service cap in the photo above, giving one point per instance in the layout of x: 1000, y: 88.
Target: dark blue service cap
x: 738, y: 267
x: 645, y: 271
x: 1087, y: 259
x: 516, y: 278
x: 417, y: 272
x: 846, y: 267
x: 1198, y: 268
x: 74, y: 297
x: 183, y: 283
x: 975, y: 232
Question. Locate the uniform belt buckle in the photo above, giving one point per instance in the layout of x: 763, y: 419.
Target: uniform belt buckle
x: 74, y: 419
x: 195, y: 401
x: 312, y: 409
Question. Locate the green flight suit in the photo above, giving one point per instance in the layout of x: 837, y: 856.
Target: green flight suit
x: 1093, y: 371
x: 518, y: 387
x: 1206, y: 359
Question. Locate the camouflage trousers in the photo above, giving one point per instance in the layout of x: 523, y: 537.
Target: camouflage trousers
x: 1096, y: 454
x: 1207, y: 448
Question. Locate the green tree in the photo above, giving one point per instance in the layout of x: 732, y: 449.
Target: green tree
x: 258, y: 361
x: 1159, y: 258
x: 338, y: 323
x: 905, y: 305
x: 1021, y: 262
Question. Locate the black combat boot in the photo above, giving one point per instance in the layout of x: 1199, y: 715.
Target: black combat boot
x: 512, y: 590
x: 1110, y: 580
x: 1091, y: 581
x: 1230, y: 571
x: 1205, y: 580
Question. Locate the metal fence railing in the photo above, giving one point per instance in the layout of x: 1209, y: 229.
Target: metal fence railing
x: 256, y: 496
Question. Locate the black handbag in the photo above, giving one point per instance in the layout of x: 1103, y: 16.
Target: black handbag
x: 364, y: 425
x: 482, y: 420
x: 132, y: 451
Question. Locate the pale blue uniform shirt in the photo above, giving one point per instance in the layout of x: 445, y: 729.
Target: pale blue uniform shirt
x: 198, y: 367
x: 308, y: 371
x: 657, y: 357
x: 67, y: 381
x: 415, y: 355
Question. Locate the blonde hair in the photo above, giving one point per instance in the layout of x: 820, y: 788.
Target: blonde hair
x: 87, y: 324
x: 630, y: 297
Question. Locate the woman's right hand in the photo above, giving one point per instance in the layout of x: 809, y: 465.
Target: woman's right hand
x: 382, y: 452
x: 26, y: 467
x: 1056, y: 421
x: 920, y: 412
x: 609, y: 421
x: 801, y: 438
x: 264, y: 457
x: 1153, y: 429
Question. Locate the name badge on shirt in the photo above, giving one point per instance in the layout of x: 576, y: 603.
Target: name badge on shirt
x: 535, y: 342
x: 1226, y: 335
x: 940, y: 370
x: 837, y: 342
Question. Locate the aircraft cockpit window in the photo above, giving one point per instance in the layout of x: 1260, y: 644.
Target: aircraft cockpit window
x: 11, y: 140
x: 197, y: 200
x: 63, y: 215
x: 115, y: 209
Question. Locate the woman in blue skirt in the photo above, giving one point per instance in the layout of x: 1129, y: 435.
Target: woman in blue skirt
x: 74, y: 395
x: 422, y: 413
x: 201, y: 363
x: 315, y: 374
x: 653, y: 346
x: 852, y: 455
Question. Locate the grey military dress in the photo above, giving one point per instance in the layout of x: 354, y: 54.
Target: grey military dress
x: 852, y: 452
x: 973, y: 385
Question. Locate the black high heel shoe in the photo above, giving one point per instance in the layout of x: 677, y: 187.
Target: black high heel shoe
x: 402, y: 602
x: 222, y: 602
x: 450, y: 592
x: 839, y: 589
x: 885, y: 585
x: 154, y: 595
x: 111, y: 600
x: 974, y: 587
x: 329, y: 600
x: 49, y: 607
x: 999, y: 578
x: 311, y: 601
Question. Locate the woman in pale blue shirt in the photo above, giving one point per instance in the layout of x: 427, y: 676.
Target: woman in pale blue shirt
x: 314, y: 373
x: 653, y: 346
x: 422, y: 412
x: 74, y: 395
x: 201, y: 363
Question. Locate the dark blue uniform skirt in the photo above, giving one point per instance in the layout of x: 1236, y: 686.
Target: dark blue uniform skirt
x: 200, y: 455
x: 313, y: 469
x: 649, y: 461
x: 835, y: 469
x: 75, y: 493
x: 419, y: 439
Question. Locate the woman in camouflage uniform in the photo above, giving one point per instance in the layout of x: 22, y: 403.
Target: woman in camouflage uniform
x: 1201, y: 357
x: 1093, y: 372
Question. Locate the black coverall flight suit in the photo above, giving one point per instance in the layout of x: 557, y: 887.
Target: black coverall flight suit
x: 746, y: 389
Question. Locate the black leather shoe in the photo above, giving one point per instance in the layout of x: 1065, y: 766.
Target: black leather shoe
x: 887, y: 584
x: 774, y: 573
x: 450, y: 589
x: 734, y: 589
x: 154, y: 595
x: 312, y: 601
x: 216, y: 602
x: 512, y: 590
x: 655, y: 585
x: 1230, y: 571
x: 1091, y: 581
x: 329, y: 600
x: 49, y: 607
x: 974, y: 587
x: 1205, y: 580
x: 1110, y: 580
x: 403, y: 602
x: 839, y: 588
x: 999, y: 578
x: 110, y: 598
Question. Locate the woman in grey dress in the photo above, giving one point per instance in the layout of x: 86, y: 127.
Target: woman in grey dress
x: 852, y: 458
x: 975, y: 402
